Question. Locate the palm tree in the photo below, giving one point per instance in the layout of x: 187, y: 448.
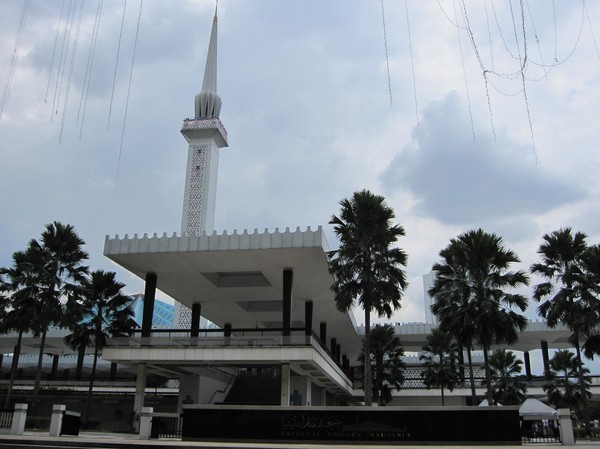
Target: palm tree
x: 470, y: 297
x: 20, y: 308
x: 61, y: 271
x: 507, y: 389
x: 387, y: 366
x: 439, y: 359
x: 562, y: 391
x: 566, y: 293
x: 588, y: 287
x: 367, y: 270
x: 106, y: 312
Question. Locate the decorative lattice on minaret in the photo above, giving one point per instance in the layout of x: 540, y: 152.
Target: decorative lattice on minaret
x: 195, y: 192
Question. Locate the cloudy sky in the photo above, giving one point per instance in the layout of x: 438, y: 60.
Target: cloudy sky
x: 312, y: 117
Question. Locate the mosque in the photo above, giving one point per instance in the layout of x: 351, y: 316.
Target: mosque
x: 278, y: 330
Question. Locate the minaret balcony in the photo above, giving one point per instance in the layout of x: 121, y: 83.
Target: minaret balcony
x: 199, y: 128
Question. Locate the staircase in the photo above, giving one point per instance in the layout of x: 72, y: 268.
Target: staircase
x: 255, y: 390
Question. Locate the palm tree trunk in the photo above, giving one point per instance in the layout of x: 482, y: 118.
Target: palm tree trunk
x: 488, y: 377
x: 38, y: 374
x: 582, y: 389
x: 91, y: 387
x: 471, y: 377
x: 443, y: 401
x: 13, y: 370
x: 368, y: 379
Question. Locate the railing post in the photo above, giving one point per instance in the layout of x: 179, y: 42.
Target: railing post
x: 146, y: 423
x: 19, y: 418
x: 566, y: 427
x: 58, y: 412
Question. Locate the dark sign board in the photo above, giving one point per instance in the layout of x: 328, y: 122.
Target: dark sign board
x: 337, y: 424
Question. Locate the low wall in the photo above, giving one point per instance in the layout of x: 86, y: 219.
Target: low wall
x: 483, y: 425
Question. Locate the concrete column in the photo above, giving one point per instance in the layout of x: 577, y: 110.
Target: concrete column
x: 140, y: 389
x: 288, y: 281
x: 333, y: 347
x: 58, y: 411
x: 113, y: 370
x: 345, y: 364
x: 323, y: 333
x: 1, y: 360
x: 308, y: 317
x: 323, y: 397
x: 54, y: 366
x: 146, y: 423
x: 566, y: 427
x: 545, y: 357
x: 79, y: 368
x: 285, y: 385
x: 227, y: 334
x: 308, y: 392
x: 149, y: 294
x: 189, y: 390
x: 196, y: 309
x: 19, y: 418
x: 527, y: 365
x: 338, y: 352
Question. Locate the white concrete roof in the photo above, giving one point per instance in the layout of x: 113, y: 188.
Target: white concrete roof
x: 238, y: 278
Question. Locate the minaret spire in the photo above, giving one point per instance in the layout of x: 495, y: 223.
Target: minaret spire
x: 208, y: 103
x: 206, y: 135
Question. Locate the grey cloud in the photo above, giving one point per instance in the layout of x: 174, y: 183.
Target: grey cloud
x: 459, y: 180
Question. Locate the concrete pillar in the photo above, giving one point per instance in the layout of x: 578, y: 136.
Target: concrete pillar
x: 288, y: 281
x: 308, y: 392
x: 285, y: 385
x: 1, y: 360
x: 149, y: 294
x: 567, y: 437
x: 146, y: 423
x: 308, y: 317
x: 323, y: 333
x: 19, y: 418
x: 527, y: 365
x: 345, y: 363
x: 333, y: 347
x: 323, y: 397
x: 140, y: 389
x: 58, y: 411
x: 113, y: 370
x: 227, y: 334
x: 79, y: 368
x: 189, y: 390
x: 338, y: 352
x: 545, y: 358
x: 196, y: 309
x: 54, y: 366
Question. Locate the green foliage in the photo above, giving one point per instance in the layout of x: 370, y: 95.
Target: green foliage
x: 440, y: 362
x: 471, y: 298
x: 387, y: 366
x: 569, y: 295
x: 367, y: 268
x: 507, y: 388
x: 43, y: 287
x: 105, y: 311
x: 564, y: 389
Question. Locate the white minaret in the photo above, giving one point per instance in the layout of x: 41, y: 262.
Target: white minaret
x: 205, y: 134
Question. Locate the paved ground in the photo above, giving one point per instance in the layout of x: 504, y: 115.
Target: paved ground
x: 110, y: 440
